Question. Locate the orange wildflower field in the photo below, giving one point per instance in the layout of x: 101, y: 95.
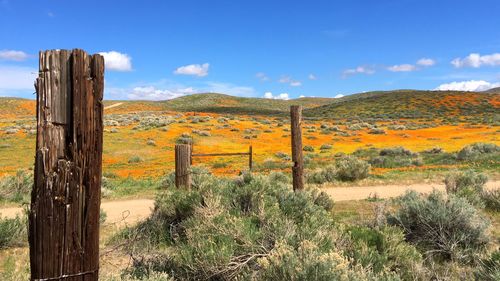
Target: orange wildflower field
x: 139, y: 140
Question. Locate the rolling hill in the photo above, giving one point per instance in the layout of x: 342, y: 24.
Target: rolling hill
x: 220, y: 103
x: 493, y: 91
x: 410, y: 104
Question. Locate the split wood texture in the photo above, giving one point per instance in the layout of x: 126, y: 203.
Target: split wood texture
x: 65, y: 200
x: 183, y: 166
x: 297, y: 157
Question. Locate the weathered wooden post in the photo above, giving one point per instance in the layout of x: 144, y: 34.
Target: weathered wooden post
x: 65, y: 200
x: 183, y: 166
x: 297, y: 157
x: 250, y: 158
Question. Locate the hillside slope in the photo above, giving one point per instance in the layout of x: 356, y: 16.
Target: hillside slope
x: 220, y: 103
x: 391, y: 104
x: 493, y: 91
x: 412, y: 104
x: 215, y: 103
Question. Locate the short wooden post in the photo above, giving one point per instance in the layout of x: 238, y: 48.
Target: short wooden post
x: 182, y: 166
x: 297, y: 157
x: 250, y: 158
x: 65, y: 200
x: 191, y: 153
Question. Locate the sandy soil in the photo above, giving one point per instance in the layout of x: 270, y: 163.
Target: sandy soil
x: 118, y: 212
x: 113, y: 105
x: 387, y: 191
x: 130, y: 211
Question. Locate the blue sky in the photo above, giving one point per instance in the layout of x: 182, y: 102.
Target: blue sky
x: 277, y: 49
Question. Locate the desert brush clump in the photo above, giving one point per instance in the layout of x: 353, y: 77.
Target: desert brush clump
x: 468, y: 185
x: 253, y: 227
x: 491, y: 199
x: 16, y: 188
x: 489, y: 268
x: 394, y: 157
x: 478, y: 150
x: 346, y: 168
x: 443, y: 228
x: 350, y: 168
x: 384, y: 248
x: 12, y: 231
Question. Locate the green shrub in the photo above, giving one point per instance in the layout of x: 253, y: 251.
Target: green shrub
x: 377, y: 131
x: 491, y: 199
x: 468, y: 185
x: 184, y: 138
x: 308, y: 148
x: 321, y: 176
x: 489, y: 269
x: 283, y: 156
x: 476, y: 150
x: 385, y: 248
x: 350, y: 168
x: 12, y: 232
x: 253, y: 227
x: 444, y: 228
x: 135, y: 159
x: 16, y: 188
x: 324, y: 200
x: 326, y: 146
x: 396, y: 151
x: 395, y: 157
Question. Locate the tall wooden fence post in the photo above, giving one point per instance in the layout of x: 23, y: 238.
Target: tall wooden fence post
x: 250, y: 158
x: 297, y: 157
x: 183, y: 165
x: 65, y: 200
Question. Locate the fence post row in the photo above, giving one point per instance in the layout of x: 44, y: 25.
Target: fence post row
x: 183, y: 166
x: 297, y: 157
x: 65, y: 200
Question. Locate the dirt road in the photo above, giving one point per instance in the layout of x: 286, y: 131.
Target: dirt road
x: 130, y: 211
x: 113, y: 105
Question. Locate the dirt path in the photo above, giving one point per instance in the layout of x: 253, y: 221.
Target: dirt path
x: 130, y: 211
x: 387, y: 191
x: 113, y: 105
x: 117, y: 212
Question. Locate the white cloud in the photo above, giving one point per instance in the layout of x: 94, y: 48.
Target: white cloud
x: 117, y: 61
x: 152, y: 93
x: 476, y: 60
x: 426, y: 62
x: 166, y: 89
x: 15, y: 78
x: 312, y: 77
x: 199, y: 70
x: 282, y: 96
x: 228, y: 88
x: 285, y: 79
x: 338, y: 96
x: 402, y: 68
x: 13, y: 55
x: 262, y: 76
x: 471, y: 85
x: 358, y: 70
